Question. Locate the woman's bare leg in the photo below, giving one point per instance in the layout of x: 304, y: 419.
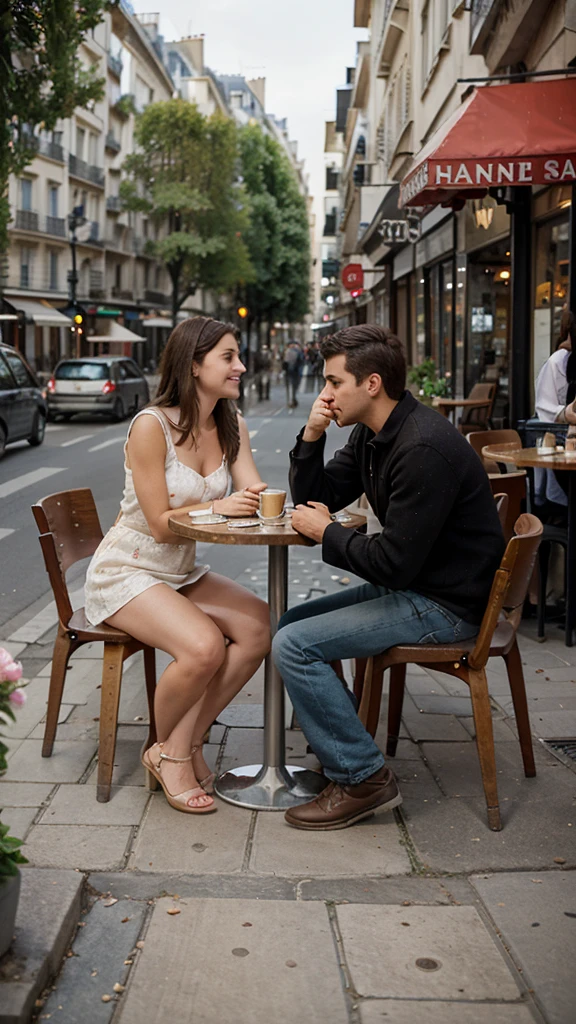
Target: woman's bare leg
x: 245, y: 620
x: 168, y: 620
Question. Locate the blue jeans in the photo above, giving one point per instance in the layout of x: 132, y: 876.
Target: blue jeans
x: 355, y: 623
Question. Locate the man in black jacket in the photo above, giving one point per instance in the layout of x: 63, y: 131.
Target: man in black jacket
x: 428, y: 572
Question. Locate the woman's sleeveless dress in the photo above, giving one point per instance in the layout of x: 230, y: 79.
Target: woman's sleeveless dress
x: 128, y: 560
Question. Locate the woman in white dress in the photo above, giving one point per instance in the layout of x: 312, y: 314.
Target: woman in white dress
x: 555, y: 394
x: 187, y: 451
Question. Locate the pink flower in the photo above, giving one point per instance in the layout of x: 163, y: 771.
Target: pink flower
x: 18, y: 697
x: 11, y: 672
x: 5, y: 658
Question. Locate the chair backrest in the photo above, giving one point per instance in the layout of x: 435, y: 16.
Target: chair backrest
x: 510, y: 585
x: 502, y: 508
x: 69, y: 531
x: 480, y: 416
x: 479, y: 438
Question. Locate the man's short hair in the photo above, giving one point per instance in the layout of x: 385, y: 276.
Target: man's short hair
x: 368, y: 349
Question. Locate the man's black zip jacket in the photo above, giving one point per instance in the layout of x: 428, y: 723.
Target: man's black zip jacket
x: 441, y: 535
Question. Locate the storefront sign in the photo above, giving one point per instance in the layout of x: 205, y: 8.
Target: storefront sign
x: 478, y: 174
x: 353, y: 276
x: 394, y: 232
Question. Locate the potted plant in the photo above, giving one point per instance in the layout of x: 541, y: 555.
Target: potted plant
x: 427, y: 385
x: 12, y: 696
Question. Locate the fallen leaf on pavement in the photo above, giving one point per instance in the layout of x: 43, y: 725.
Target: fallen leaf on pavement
x: 106, y: 998
x: 174, y: 910
x: 559, y: 860
x: 118, y: 987
x: 110, y: 902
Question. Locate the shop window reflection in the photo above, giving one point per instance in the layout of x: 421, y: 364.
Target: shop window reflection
x: 488, y: 347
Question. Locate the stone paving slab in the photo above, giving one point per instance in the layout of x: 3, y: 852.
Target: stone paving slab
x: 86, y: 847
x: 233, y: 973
x: 536, y: 914
x: 195, y: 844
x: 69, y: 761
x: 48, y: 911
x: 149, y: 886
x: 457, y: 767
x: 77, y: 805
x: 19, y: 819
x: 382, y: 945
x: 454, y: 836
x: 394, y: 891
x: 372, y: 847
x: 24, y: 794
x: 31, y: 713
x: 101, y: 946
x: 421, y: 727
x: 388, y: 1011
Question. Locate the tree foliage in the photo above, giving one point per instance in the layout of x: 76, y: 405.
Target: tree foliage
x: 42, y: 77
x: 183, y: 174
x: 278, y: 237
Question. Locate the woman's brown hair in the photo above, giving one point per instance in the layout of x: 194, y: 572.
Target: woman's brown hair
x: 190, y: 342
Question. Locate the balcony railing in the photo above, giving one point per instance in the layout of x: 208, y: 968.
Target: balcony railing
x: 113, y: 204
x: 56, y: 226
x: 27, y: 220
x: 96, y: 283
x: 482, y: 17
x: 33, y: 279
x: 112, y: 143
x: 114, y: 65
x: 156, y: 298
x: 88, y: 172
x: 121, y: 293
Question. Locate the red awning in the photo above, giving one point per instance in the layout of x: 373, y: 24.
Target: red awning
x: 520, y: 134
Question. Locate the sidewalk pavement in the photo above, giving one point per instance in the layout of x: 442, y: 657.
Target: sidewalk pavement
x: 148, y: 914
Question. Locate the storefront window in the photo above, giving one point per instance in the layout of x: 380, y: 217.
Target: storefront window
x: 420, y: 318
x: 440, y: 289
x: 552, y: 263
x: 488, y: 340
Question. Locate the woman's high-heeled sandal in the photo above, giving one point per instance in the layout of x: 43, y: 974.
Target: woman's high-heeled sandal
x: 207, y: 783
x: 179, y: 800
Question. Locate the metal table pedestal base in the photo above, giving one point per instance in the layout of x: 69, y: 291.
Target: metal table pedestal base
x: 262, y: 788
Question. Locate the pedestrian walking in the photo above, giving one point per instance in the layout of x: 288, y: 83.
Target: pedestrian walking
x: 186, y: 452
x: 263, y: 371
x: 293, y: 366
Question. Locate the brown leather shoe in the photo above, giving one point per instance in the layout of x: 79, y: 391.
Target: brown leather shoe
x: 340, y: 806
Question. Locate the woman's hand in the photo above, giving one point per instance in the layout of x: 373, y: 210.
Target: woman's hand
x: 241, y: 503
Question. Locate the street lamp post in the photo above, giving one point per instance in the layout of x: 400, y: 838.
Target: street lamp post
x: 75, y: 218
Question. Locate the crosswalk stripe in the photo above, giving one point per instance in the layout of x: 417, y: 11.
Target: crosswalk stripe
x: 5, y: 532
x: 76, y: 440
x: 27, y: 479
x: 44, y: 620
x: 105, y: 444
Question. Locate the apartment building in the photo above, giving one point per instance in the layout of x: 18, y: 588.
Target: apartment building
x: 78, y: 167
x: 444, y: 275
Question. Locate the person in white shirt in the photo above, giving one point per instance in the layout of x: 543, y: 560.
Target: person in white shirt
x: 555, y: 394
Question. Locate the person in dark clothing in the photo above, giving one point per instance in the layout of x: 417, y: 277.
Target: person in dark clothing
x: 428, y: 572
x: 293, y: 365
x: 263, y: 366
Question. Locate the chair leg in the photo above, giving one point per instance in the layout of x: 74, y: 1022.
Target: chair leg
x: 375, y: 675
x: 150, y: 676
x: 485, y: 743
x: 110, y: 701
x: 395, y: 703
x: 518, y: 690
x: 359, y: 676
x: 543, y: 560
x: 63, y: 648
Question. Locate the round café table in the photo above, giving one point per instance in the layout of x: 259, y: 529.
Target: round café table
x: 273, y: 785
x: 449, y: 405
x: 530, y: 458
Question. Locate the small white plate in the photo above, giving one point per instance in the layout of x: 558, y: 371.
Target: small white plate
x: 210, y: 517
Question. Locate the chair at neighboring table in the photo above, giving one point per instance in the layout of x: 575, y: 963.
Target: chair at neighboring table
x: 512, y: 483
x: 467, y: 661
x: 478, y: 418
x: 70, y: 531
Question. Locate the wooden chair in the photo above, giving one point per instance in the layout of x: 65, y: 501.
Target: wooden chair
x: 501, y: 479
x: 467, y: 661
x: 479, y: 418
x: 70, y: 531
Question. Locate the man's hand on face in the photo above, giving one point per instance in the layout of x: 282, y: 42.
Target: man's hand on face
x: 319, y: 420
x: 311, y: 520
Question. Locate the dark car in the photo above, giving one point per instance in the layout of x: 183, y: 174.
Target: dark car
x: 23, y: 407
x: 113, y: 385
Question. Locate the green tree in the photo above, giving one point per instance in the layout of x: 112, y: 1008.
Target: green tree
x: 41, y: 77
x: 278, y: 237
x: 184, y: 176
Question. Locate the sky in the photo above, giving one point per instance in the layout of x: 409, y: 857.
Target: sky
x: 301, y: 47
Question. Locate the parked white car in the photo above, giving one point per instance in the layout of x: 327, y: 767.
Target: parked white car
x: 112, y: 385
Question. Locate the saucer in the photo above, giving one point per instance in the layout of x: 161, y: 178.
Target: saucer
x: 271, y: 520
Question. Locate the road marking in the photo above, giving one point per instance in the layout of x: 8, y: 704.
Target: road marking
x: 44, y: 620
x: 76, y: 440
x: 252, y: 433
x: 20, y: 482
x: 52, y: 426
x: 5, y: 532
x: 105, y: 444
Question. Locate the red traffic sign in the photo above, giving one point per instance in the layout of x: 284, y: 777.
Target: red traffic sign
x: 353, y: 276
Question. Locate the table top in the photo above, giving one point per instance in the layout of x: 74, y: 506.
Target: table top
x: 457, y: 403
x: 222, y: 533
x: 522, y: 457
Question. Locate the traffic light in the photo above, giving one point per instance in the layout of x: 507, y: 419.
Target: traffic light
x: 242, y: 312
x: 78, y: 319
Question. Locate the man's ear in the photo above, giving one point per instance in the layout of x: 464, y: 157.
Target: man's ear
x: 374, y: 385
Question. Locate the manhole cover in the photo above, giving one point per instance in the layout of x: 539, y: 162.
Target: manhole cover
x: 559, y: 747
x: 426, y: 963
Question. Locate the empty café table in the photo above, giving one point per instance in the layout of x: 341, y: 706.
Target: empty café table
x: 531, y: 458
x: 272, y: 785
x: 449, y: 405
